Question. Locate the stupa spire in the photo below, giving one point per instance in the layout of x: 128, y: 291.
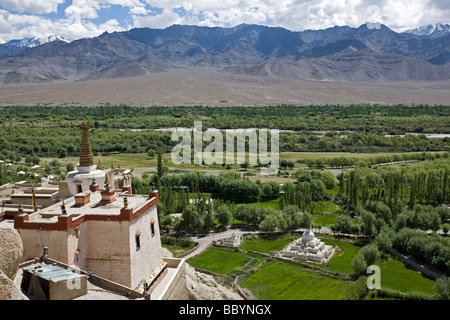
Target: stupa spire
x: 107, y: 185
x: 86, y: 157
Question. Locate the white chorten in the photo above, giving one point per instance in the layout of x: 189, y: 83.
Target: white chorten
x: 86, y: 172
x: 308, y: 248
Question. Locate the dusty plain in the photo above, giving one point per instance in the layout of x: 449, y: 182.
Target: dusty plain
x: 218, y: 88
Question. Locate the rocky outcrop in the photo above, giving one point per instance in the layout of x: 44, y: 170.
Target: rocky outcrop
x: 11, y: 251
x: 8, y: 289
x: 202, y: 286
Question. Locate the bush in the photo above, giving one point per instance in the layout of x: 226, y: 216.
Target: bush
x: 357, y: 290
x: 359, y: 264
x: 182, y: 242
x: 384, y: 239
x: 370, y: 253
x: 270, y: 190
x: 367, y: 256
x: 223, y: 215
x: 443, y: 289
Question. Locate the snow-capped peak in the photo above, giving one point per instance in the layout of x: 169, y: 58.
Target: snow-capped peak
x: 431, y: 31
x: 26, y: 43
x: 34, y: 42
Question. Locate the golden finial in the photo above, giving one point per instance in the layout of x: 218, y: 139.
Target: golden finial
x: 107, y: 186
x: 86, y: 157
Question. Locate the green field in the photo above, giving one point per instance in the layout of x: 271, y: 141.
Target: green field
x: 220, y: 260
x: 142, y: 160
x: 324, y: 220
x: 177, y: 250
x: 342, y: 261
x: 283, y: 281
x: 395, y: 275
x: 279, y: 280
x: 269, y: 245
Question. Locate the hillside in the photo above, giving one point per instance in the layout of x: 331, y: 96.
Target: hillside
x: 338, y: 53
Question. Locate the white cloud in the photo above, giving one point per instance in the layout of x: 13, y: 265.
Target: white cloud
x: 25, y: 20
x: 88, y: 9
x: 18, y: 26
x: 31, y: 6
x: 82, y: 9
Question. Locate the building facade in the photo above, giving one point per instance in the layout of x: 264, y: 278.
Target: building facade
x: 108, y: 232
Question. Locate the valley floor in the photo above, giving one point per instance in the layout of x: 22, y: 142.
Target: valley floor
x: 219, y: 88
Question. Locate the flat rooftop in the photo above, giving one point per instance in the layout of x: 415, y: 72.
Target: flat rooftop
x: 49, y: 271
x: 94, y: 207
x: 96, y: 291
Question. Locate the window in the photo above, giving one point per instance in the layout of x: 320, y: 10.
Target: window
x: 138, y: 241
x: 152, y: 226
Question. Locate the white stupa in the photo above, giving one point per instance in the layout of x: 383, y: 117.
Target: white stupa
x: 86, y: 172
x: 308, y: 248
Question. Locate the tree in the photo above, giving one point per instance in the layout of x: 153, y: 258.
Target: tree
x: 196, y: 220
x: 292, y: 216
x: 223, y: 215
x: 189, y: 216
x: 69, y: 167
x: 384, y: 239
x: 291, y: 164
x: 273, y: 221
x: 358, y: 289
x: 151, y: 153
x: 35, y: 160
x: 368, y: 219
x: 359, y: 264
x: 271, y: 189
x: 344, y: 223
x: 370, y: 253
x: 47, y: 168
x: 442, y: 287
x: 160, y: 166
x: 269, y: 224
x: 209, y: 220
x: 28, y: 159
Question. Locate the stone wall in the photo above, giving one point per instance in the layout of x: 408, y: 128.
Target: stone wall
x: 145, y: 260
x: 34, y: 242
x: 177, y: 289
x: 108, y: 252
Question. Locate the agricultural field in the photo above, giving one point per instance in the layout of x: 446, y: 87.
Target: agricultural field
x: 271, y: 279
x: 221, y: 260
x: 268, y: 244
x: 278, y: 280
x: 395, y: 275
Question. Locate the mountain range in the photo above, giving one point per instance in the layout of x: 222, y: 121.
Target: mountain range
x: 366, y: 53
x: 431, y: 31
x: 25, y: 43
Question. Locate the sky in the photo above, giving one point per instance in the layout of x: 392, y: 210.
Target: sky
x: 74, y: 19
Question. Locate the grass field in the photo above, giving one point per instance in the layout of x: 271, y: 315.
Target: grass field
x: 142, y: 160
x: 222, y: 260
x: 282, y: 281
x: 395, y: 275
x: 324, y: 220
x: 176, y: 249
x: 269, y: 245
x: 342, y: 261
x: 325, y: 207
x: 279, y: 280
